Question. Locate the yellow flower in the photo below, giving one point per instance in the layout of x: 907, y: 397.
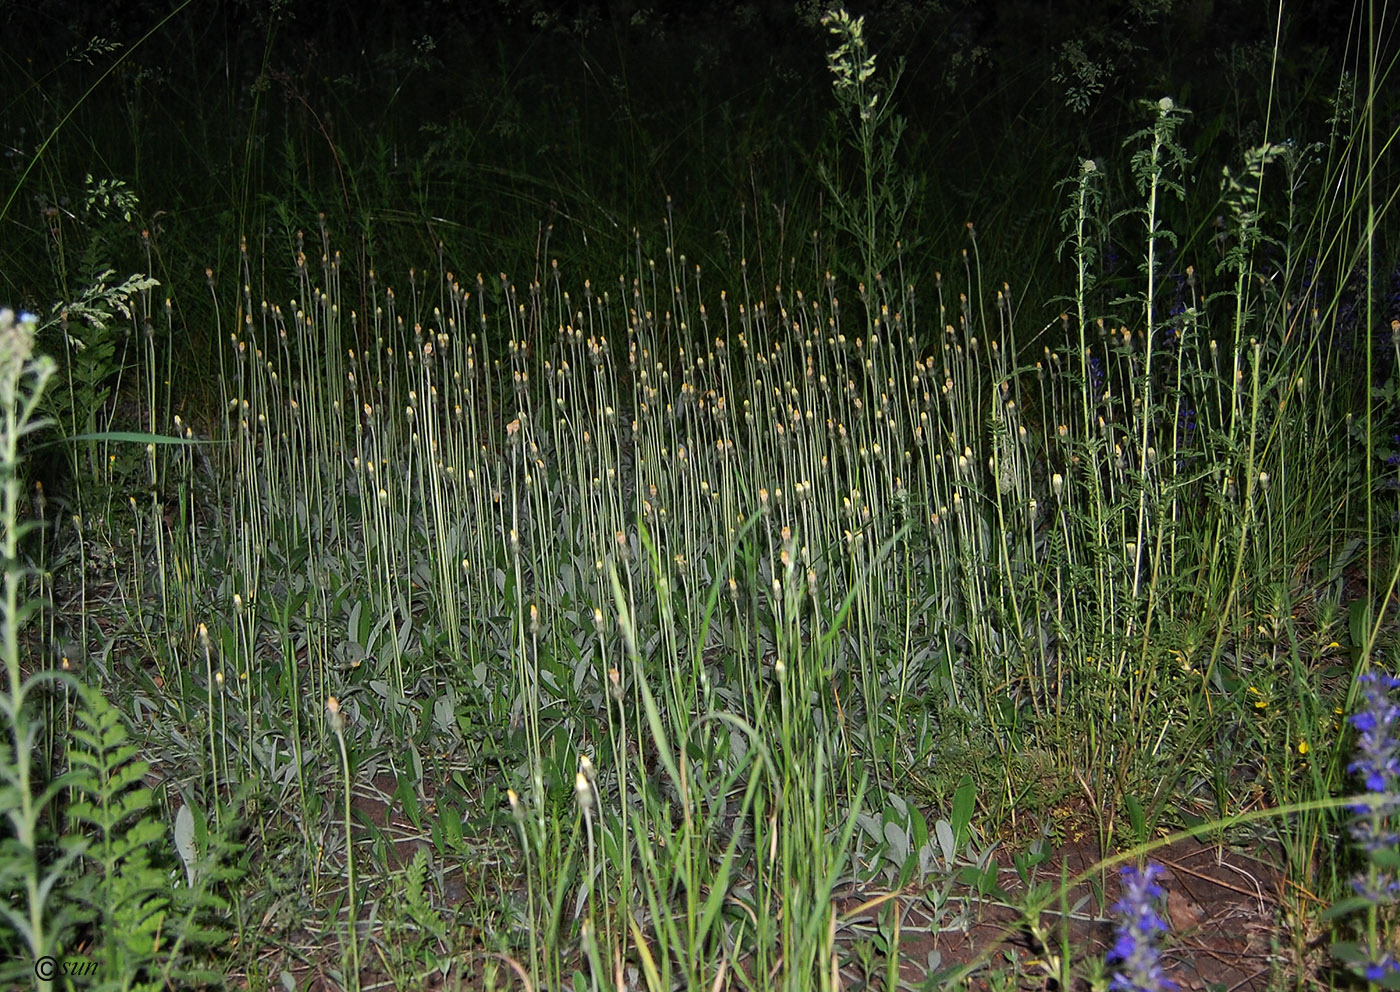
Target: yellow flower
x: 1303, y: 747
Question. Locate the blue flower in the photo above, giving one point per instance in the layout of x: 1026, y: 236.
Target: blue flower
x: 1096, y: 373
x: 1377, y: 764
x: 1377, y: 970
x: 1134, y: 958
x: 1377, y: 748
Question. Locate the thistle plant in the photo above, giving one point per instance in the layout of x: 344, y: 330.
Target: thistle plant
x: 88, y: 325
x: 872, y: 210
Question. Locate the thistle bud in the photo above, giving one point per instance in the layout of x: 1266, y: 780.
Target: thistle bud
x: 337, y: 718
x: 583, y: 792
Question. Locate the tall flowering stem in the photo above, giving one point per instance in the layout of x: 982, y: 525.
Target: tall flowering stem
x: 874, y: 212
x: 23, y: 795
x: 1136, y: 962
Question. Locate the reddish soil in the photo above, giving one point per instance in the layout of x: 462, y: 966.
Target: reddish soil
x: 1222, y: 907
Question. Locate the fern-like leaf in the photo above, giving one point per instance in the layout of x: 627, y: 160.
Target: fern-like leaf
x: 126, y: 896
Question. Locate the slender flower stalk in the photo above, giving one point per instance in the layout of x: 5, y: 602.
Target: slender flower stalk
x: 1137, y: 966
x: 337, y: 724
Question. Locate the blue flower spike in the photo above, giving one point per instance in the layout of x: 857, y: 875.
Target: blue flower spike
x: 1136, y: 963
x: 1377, y: 766
x: 1377, y: 761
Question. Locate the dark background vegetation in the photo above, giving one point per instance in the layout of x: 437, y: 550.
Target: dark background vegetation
x: 500, y: 135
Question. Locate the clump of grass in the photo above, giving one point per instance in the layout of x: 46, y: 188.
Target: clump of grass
x: 804, y: 523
